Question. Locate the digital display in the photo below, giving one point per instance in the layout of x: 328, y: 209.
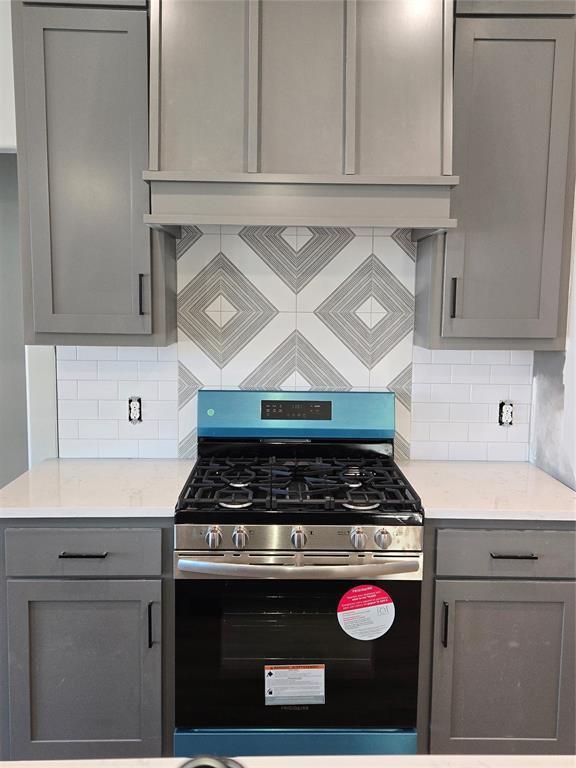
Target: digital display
x: 294, y: 410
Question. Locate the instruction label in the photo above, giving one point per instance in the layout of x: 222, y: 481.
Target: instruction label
x: 366, y: 612
x: 294, y: 684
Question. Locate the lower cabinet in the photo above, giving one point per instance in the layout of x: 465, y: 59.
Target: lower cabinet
x: 85, y: 668
x: 503, y: 667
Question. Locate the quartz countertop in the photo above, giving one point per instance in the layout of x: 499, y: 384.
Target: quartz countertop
x: 345, y: 761
x: 92, y: 488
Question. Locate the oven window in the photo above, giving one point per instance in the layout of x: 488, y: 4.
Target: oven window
x: 227, y: 631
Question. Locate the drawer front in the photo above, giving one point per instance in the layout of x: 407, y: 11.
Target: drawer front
x: 76, y: 552
x: 519, y: 554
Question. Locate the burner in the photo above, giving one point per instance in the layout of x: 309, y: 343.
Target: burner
x: 355, y: 477
x: 232, y: 498
x: 238, y: 477
x: 235, y: 504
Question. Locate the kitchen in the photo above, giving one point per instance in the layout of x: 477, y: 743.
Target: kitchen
x: 288, y: 379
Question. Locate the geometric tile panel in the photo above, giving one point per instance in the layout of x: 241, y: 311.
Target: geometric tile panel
x: 297, y: 267
x: 189, y: 236
x: 188, y: 385
x: 401, y: 447
x: 341, y: 311
x: 188, y: 446
x: 295, y: 355
x: 221, y: 335
x: 402, y: 238
x: 401, y: 385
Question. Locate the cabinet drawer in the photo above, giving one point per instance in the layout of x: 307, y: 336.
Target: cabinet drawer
x: 83, y: 552
x: 520, y: 554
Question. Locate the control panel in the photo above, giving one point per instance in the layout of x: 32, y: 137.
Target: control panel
x: 286, y: 410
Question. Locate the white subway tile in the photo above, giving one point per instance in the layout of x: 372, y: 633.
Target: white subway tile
x: 67, y: 428
x: 143, y: 430
x: 429, y: 373
x: 113, y: 409
x: 521, y: 413
x: 521, y: 393
x: 76, y: 369
x: 488, y: 433
x: 518, y: 433
x: 96, y: 353
x: 66, y: 353
x: 137, y: 353
x: 98, y: 429
x: 168, y: 354
x: 470, y: 374
x: 168, y: 430
x: 469, y: 412
x: 167, y: 390
x: 429, y: 412
x: 421, y: 355
x: 118, y: 449
x: 507, y: 451
x: 147, y: 390
x: 67, y: 389
x: 428, y: 451
x: 420, y: 430
x: 77, y: 449
x: 522, y: 357
x: 459, y: 356
x: 489, y: 393
x: 158, y: 371
x: 497, y: 356
x: 467, y: 452
x: 511, y: 374
x: 77, y: 409
x: 452, y: 432
x: 117, y: 369
x: 158, y: 449
x: 450, y: 393
x: 97, y: 390
x: 162, y: 410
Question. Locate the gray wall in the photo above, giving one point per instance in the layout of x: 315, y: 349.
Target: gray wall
x: 13, y: 440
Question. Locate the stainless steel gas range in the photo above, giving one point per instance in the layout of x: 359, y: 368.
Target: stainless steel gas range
x: 298, y: 566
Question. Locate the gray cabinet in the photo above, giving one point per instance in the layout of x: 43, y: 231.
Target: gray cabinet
x: 503, y: 667
x: 84, y: 668
x: 82, y: 120
x: 501, y: 276
x: 516, y: 7
x: 318, y: 88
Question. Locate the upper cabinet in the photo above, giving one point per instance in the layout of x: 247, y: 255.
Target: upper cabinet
x: 287, y: 94
x: 7, y: 120
x: 498, y: 277
x: 82, y: 120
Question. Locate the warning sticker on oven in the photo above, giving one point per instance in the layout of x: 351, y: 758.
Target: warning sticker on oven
x: 366, y: 612
x: 286, y: 684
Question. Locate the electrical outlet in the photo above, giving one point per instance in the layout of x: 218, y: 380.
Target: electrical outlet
x: 506, y: 413
x: 134, y: 409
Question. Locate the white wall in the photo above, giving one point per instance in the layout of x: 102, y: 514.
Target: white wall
x: 7, y: 119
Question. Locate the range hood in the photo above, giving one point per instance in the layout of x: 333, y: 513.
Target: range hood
x: 181, y: 198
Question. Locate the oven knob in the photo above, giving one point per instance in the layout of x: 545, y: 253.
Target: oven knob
x: 383, y: 538
x: 298, y: 538
x: 213, y: 537
x: 358, y: 538
x: 240, y: 537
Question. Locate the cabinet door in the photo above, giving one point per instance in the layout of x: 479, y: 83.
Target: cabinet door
x: 84, y: 665
x: 503, y: 668
x: 512, y: 101
x: 85, y: 121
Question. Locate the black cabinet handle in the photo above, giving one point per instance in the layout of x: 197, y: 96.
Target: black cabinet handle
x: 445, y: 610
x: 141, y: 293
x: 82, y: 555
x: 528, y: 556
x: 150, y: 640
x: 453, y: 289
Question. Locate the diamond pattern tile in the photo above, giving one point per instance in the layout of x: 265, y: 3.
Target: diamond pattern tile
x: 189, y: 236
x: 188, y: 385
x: 401, y: 385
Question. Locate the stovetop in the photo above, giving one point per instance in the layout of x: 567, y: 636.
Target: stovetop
x: 312, y: 488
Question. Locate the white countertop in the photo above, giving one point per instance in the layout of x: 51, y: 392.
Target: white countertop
x: 400, y: 761
x: 89, y: 488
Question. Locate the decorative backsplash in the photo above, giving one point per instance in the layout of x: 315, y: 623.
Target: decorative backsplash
x: 326, y: 308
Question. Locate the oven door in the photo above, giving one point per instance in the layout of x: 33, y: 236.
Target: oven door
x: 245, y: 621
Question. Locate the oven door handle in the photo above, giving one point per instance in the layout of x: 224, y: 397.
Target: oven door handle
x: 324, y: 572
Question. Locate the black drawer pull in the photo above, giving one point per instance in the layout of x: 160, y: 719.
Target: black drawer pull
x: 528, y: 556
x: 453, y: 289
x: 445, y: 609
x: 150, y: 640
x: 82, y: 555
x: 141, y: 293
